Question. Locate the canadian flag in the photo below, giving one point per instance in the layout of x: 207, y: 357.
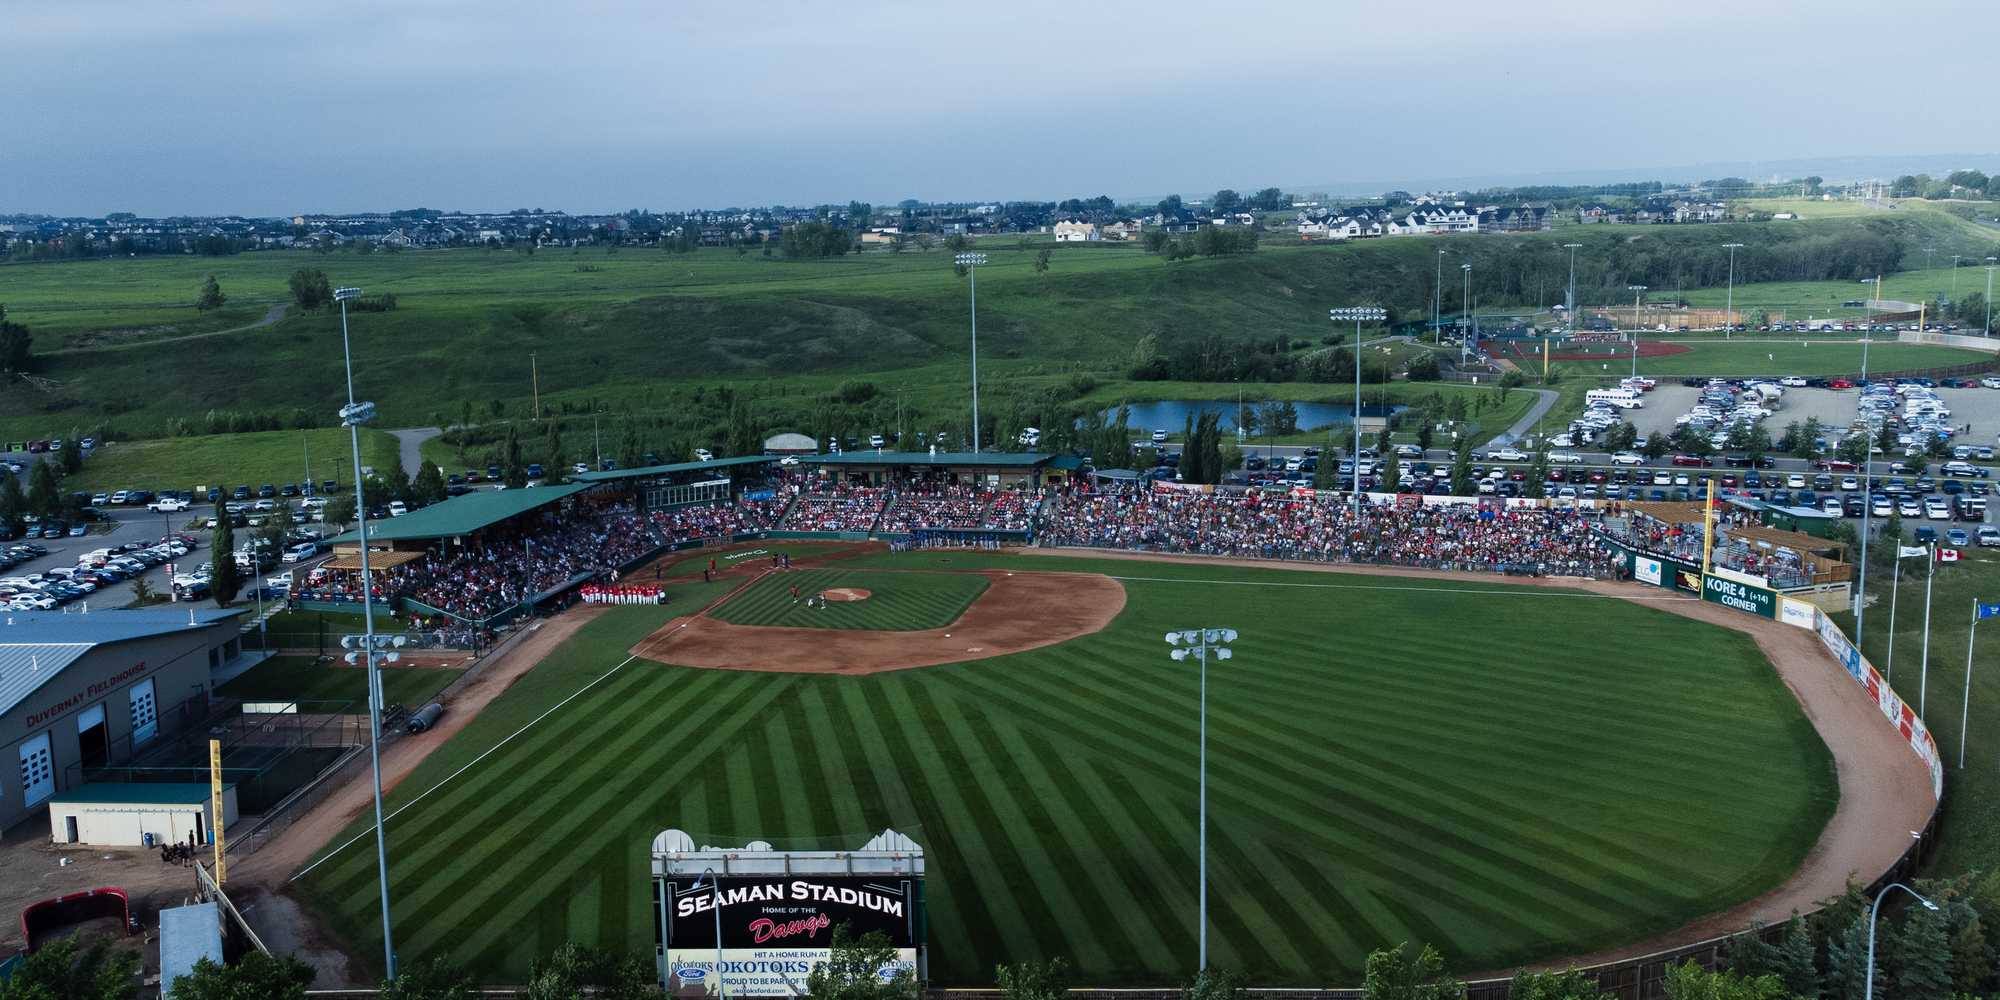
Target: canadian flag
x: 1948, y: 555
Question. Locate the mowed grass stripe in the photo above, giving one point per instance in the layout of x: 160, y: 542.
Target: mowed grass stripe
x: 1399, y: 778
x: 897, y: 601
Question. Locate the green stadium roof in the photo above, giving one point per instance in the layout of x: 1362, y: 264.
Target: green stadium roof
x: 148, y: 792
x: 462, y: 515
x: 661, y: 470
x: 990, y: 458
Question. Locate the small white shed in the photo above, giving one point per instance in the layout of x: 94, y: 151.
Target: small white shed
x: 121, y: 815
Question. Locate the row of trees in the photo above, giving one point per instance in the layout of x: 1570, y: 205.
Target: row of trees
x: 1957, y: 184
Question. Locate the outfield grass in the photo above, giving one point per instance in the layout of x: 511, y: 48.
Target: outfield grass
x: 752, y: 554
x: 903, y: 602
x: 302, y: 678
x: 1772, y: 357
x: 1373, y: 779
x: 1805, y: 300
x: 231, y: 460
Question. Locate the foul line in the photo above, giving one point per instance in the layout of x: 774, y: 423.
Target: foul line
x: 530, y: 724
x: 1382, y: 586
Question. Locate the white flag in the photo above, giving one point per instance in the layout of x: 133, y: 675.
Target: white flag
x: 1911, y: 552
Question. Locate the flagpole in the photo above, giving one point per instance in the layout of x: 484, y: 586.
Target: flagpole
x: 1965, y: 706
x: 1895, y: 584
x: 1924, y: 679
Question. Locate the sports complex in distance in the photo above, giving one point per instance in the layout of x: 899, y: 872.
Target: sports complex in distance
x: 1544, y: 738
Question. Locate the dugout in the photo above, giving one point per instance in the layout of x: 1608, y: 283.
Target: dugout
x: 119, y: 814
x: 80, y: 691
x: 775, y: 910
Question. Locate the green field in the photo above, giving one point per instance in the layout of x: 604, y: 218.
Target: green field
x: 1373, y: 779
x: 302, y: 678
x: 1771, y: 357
x: 231, y: 460
x: 901, y: 602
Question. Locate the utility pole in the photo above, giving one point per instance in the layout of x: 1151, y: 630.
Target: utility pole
x: 1729, y: 311
x: 1569, y: 302
x: 1638, y: 293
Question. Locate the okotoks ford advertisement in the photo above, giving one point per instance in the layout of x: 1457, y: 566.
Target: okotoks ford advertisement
x: 777, y: 928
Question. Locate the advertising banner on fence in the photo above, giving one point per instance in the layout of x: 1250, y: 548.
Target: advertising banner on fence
x: 1646, y: 569
x: 1911, y: 728
x: 777, y: 928
x: 1741, y: 596
x: 1797, y: 613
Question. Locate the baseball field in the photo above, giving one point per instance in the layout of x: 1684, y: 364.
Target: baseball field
x: 1509, y: 772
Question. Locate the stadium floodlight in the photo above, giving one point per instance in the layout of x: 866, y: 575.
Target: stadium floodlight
x: 971, y: 262
x: 1203, y: 645
x: 354, y: 415
x: 1868, y: 980
x: 1571, y: 299
x: 1729, y: 309
x: 1990, y: 262
x: 1359, y: 314
x: 1638, y: 295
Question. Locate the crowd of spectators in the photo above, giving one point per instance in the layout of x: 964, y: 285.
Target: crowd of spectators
x: 503, y: 566
x: 957, y: 506
x: 1683, y: 541
x: 834, y: 506
x: 720, y: 519
x: 1264, y: 525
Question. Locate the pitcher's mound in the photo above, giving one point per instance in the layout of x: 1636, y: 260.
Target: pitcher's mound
x: 847, y: 594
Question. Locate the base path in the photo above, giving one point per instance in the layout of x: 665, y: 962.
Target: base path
x: 1018, y: 611
x: 1884, y: 789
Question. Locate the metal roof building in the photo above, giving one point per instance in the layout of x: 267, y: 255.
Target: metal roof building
x: 461, y: 515
x: 81, y: 689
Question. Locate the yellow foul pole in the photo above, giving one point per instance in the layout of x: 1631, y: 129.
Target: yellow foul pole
x: 1709, y: 527
x: 215, y: 797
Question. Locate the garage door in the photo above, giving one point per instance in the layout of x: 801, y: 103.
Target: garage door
x: 38, y: 771
x: 145, y: 712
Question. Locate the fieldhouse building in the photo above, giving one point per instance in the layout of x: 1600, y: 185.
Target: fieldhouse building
x: 81, y: 690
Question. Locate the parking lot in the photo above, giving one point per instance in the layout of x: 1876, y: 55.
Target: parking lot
x: 1831, y: 407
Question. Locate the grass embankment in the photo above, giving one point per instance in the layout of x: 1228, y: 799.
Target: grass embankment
x: 1500, y: 802
x: 1969, y: 836
x: 230, y: 460
x: 303, y: 678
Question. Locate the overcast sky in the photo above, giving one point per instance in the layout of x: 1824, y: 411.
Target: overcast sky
x: 276, y: 108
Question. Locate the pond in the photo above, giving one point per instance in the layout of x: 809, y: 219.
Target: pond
x: 1171, y: 415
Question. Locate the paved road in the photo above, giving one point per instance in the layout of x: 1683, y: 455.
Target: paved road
x: 412, y: 439
x: 1526, y: 425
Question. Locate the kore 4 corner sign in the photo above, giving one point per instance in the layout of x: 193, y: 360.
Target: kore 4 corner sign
x: 1741, y: 596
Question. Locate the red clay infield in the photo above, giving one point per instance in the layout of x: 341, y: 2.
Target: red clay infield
x: 1018, y: 611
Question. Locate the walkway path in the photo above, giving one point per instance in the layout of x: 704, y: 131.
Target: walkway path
x: 412, y: 439
x: 1526, y: 425
x: 272, y: 315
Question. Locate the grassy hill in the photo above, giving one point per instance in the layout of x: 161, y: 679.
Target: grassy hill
x: 123, y: 349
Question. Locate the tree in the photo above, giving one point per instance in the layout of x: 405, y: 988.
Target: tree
x: 254, y: 975
x: 1154, y: 240
x: 1847, y: 962
x: 1570, y: 984
x: 224, y: 580
x: 514, y: 471
x: 310, y: 289
x: 1425, y: 432
x: 70, y: 459
x: 1919, y: 954
x: 15, y: 345
x: 1656, y: 445
x: 1806, y: 445
x: 1622, y: 436
x: 428, y: 487
x: 1388, y: 475
x: 436, y: 979
x: 1689, y: 981
x: 1536, y: 487
x: 64, y: 969
x: 573, y: 971
x: 1424, y: 368
x: 43, y: 497
x: 1214, y: 984
x: 852, y: 970
x: 13, y: 503
x: 1225, y: 200
x: 1270, y: 200
x: 1393, y: 974
x: 211, y: 296
x: 339, y: 509
x: 1032, y: 980
x: 1042, y: 261
x: 552, y: 450
x: 1795, y: 963
x: 1461, y: 467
